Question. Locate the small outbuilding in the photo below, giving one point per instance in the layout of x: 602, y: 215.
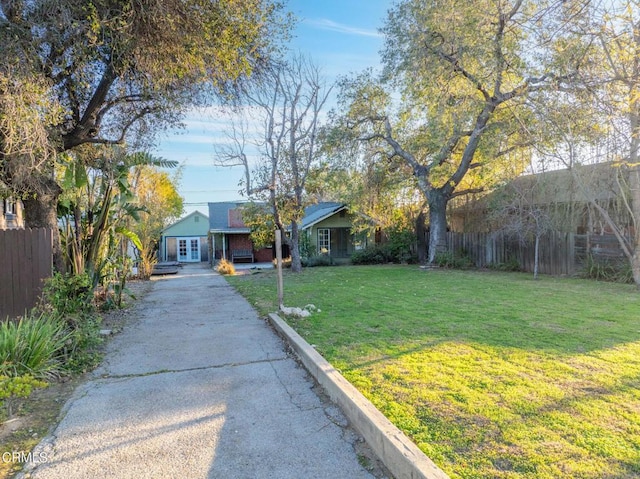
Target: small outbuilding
x: 185, y: 240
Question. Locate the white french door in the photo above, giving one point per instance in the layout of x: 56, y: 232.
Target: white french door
x: 189, y: 250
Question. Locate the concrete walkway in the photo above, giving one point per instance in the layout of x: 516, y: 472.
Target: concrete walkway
x: 197, y: 386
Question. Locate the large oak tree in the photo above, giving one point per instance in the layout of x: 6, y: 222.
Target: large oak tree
x: 452, y: 98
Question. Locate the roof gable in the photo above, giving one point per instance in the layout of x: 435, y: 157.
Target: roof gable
x: 315, y: 213
x: 195, y: 224
x: 227, y: 216
x: 219, y: 214
x: 580, y: 185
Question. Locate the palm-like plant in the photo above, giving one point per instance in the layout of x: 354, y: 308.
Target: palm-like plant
x: 97, y: 209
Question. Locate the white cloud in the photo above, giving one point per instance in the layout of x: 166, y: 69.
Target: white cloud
x: 326, y: 24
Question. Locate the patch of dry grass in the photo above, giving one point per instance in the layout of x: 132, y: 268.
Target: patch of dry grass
x: 226, y: 267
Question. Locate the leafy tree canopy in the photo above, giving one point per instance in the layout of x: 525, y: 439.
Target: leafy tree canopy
x: 114, y: 72
x: 115, y: 65
x: 452, y: 102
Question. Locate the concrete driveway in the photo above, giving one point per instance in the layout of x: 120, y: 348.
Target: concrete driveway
x: 197, y: 386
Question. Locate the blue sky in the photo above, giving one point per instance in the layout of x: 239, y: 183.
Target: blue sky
x: 340, y: 36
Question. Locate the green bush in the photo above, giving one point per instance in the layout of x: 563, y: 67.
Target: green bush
x: 319, y: 260
x: 16, y: 387
x: 450, y: 260
x: 511, y: 265
x: 81, y: 352
x: 401, y: 240
x: 70, y: 296
x: 396, y: 250
x: 376, y: 254
x: 34, y: 345
x: 307, y: 249
x: 616, y: 271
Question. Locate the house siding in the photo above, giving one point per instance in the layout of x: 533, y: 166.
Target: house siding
x: 228, y: 232
x: 241, y: 241
x: 189, y: 226
x: 171, y: 249
x: 342, y: 244
x: 11, y: 220
x: 264, y: 255
x: 338, y: 220
x: 560, y: 195
x: 195, y: 225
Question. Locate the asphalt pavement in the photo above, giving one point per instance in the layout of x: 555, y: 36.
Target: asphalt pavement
x: 197, y: 386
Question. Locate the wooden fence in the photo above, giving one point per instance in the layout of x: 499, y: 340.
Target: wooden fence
x: 26, y: 259
x: 560, y: 253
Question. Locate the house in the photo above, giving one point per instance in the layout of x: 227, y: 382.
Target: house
x: 565, y: 195
x: 328, y: 229
x: 11, y: 214
x: 186, y: 240
x: 230, y: 237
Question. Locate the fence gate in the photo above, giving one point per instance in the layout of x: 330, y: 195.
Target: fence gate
x: 26, y: 260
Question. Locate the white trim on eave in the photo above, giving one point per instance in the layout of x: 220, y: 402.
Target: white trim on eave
x: 322, y: 218
x: 230, y: 231
x: 183, y: 219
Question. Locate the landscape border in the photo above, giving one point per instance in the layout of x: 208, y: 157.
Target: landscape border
x: 398, y: 453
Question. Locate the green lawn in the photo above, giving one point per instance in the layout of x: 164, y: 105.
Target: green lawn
x: 492, y: 375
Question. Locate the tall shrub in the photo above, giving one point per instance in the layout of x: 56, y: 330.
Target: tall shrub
x: 70, y: 299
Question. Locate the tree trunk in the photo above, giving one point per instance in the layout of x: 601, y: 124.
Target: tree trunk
x: 420, y: 240
x: 536, y: 260
x: 41, y: 211
x: 437, y: 224
x: 634, y: 158
x: 296, y: 262
x: 634, y: 186
x: 635, y: 267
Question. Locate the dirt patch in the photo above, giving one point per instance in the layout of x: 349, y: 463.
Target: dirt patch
x: 35, y: 418
x: 38, y: 415
x: 115, y: 320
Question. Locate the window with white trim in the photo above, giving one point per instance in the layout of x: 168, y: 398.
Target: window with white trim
x: 9, y: 207
x: 324, y: 241
x: 182, y: 248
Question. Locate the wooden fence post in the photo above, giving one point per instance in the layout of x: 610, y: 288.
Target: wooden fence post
x: 279, y: 265
x: 571, y: 255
